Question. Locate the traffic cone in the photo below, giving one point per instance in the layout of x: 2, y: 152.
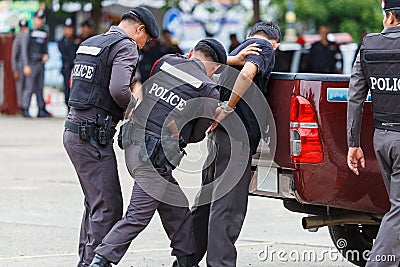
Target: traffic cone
x: 48, y: 99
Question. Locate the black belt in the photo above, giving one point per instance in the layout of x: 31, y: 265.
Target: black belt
x: 91, y: 132
x: 390, y: 126
x: 72, y: 126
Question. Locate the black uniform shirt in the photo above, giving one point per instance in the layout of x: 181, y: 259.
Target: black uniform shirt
x: 323, y: 58
x: 67, y: 49
x: 265, y: 63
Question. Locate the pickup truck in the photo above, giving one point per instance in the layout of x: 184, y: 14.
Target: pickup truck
x: 303, y: 161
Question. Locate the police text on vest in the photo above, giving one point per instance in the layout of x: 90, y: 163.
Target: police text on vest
x: 83, y: 71
x: 167, y: 96
x: 385, y: 84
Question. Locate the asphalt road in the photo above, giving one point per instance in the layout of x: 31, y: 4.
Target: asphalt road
x: 41, y: 207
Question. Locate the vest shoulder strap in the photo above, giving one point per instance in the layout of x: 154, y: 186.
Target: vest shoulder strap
x: 97, y: 44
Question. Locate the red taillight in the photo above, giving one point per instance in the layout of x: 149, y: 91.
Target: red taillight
x: 305, y: 142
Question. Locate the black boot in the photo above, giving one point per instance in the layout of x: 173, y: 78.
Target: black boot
x: 25, y: 113
x: 43, y: 113
x: 185, y: 261
x: 100, y: 261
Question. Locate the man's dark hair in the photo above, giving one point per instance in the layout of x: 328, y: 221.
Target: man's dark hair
x: 131, y: 18
x: 395, y: 12
x: 206, y: 50
x: 268, y: 29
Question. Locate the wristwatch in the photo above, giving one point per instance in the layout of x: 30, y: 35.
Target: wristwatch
x: 225, y: 107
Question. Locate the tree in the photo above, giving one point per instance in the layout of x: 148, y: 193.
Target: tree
x: 95, y: 12
x: 352, y: 16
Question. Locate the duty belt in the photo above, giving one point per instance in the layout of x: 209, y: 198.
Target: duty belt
x: 93, y: 132
x: 390, y: 126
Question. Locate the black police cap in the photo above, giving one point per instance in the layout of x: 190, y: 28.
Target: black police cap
x: 39, y: 14
x: 147, y: 18
x: 87, y: 23
x: 68, y: 22
x: 390, y: 4
x: 23, y: 23
x: 217, y: 47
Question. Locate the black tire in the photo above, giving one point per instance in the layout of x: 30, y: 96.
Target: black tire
x: 353, y: 241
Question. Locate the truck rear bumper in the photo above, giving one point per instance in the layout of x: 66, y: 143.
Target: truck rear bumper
x: 270, y: 181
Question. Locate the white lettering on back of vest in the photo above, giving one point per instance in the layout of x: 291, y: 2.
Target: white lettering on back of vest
x: 82, y: 71
x: 385, y: 84
x: 167, y: 96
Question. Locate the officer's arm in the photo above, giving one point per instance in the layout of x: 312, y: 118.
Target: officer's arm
x: 14, y: 54
x: 24, y: 48
x: 358, y: 91
x: 45, y: 53
x: 123, y: 65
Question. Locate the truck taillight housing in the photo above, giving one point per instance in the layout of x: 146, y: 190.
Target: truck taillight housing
x: 305, y: 142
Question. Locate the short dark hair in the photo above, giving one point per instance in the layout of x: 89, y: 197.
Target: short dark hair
x: 206, y: 50
x: 132, y: 18
x: 268, y: 29
x: 395, y: 12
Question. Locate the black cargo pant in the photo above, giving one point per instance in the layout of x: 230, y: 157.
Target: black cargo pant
x: 221, y: 205
x: 386, y: 249
x: 151, y: 191
x: 98, y: 176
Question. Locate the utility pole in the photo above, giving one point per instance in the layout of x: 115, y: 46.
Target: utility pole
x: 290, y: 20
x: 256, y: 11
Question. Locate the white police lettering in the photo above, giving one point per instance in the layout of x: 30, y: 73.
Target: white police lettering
x: 83, y: 71
x: 167, y: 96
x: 385, y: 84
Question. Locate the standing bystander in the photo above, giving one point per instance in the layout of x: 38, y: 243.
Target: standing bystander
x: 34, y: 55
x: 67, y: 46
x: 16, y: 62
x: 325, y: 56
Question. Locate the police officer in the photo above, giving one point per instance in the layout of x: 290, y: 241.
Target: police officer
x: 220, y: 207
x: 86, y: 30
x: 67, y: 46
x: 16, y: 61
x: 100, y: 92
x: 177, y: 95
x: 377, y: 69
x: 34, y: 55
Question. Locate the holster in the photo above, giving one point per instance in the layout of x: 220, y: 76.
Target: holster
x: 98, y: 133
x: 162, y: 152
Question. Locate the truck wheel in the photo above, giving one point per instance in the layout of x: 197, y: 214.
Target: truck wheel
x: 354, y: 241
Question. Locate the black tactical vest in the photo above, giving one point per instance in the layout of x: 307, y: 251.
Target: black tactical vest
x: 37, y: 45
x: 91, y: 75
x: 170, y: 92
x: 380, y: 59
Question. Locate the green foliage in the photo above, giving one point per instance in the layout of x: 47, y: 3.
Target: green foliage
x: 352, y: 16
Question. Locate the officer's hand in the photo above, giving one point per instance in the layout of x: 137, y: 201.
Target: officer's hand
x: 16, y: 75
x: 355, y: 155
x: 27, y: 71
x: 219, y: 115
x: 45, y: 58
x: 240, y: 58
